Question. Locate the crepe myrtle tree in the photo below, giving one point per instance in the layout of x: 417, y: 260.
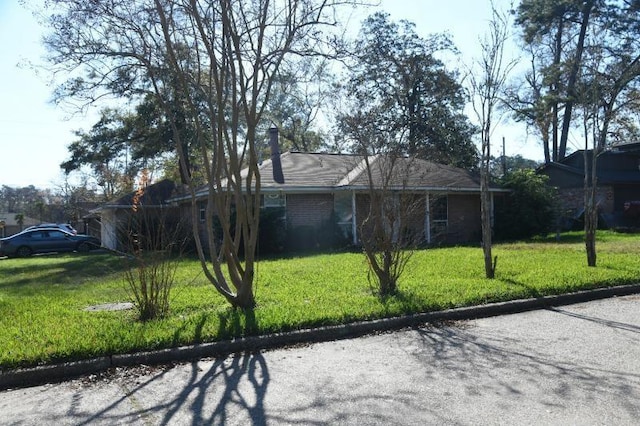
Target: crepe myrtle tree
x: 390, y: 229
x: 219, y: 59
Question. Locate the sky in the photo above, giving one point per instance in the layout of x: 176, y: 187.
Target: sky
x: 34, y: 133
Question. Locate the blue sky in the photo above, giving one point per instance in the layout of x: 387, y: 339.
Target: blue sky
x: 34, y: 134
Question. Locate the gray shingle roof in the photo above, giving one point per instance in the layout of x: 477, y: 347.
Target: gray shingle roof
x: 334, y: 171
x: 311, y: 172
x: 306, y: 170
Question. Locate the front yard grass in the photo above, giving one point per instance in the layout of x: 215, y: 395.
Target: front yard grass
x: 43, y: 299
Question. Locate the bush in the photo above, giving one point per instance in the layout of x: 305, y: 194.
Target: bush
x: 154, y: 244
x: 272, y: 231
x: 529, y: 210
x: 301, y: 238
x: 331, y: 237
x: 328, y: 236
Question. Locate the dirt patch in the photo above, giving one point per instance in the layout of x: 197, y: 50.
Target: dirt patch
x: 121, y: 306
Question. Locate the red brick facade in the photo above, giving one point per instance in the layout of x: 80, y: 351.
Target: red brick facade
x: 308, y: 209
x: 572, y: 200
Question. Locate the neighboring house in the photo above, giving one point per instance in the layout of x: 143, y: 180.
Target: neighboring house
x: 618, y: 184
x: 117, y: 220
x: 9, y: 225
x: 318, y: 187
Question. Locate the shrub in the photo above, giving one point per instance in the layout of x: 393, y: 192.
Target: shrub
x: 155, y: 239
x: 528, y: 210
x: 302, y: 238
x: 272, y: 232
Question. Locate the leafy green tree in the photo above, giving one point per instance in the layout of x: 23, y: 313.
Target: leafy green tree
x: 503, y: 165
x: 300, y: 92
x: 106, y: 151
x: 29, y: 201
x: 555, y: 33
x: 396, y: 77
x: 122, y: 143
x: 595, y: 68
x: 528, y: 210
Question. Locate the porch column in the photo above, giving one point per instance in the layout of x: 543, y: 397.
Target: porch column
x: 427, y: 220
x: 354, y: 223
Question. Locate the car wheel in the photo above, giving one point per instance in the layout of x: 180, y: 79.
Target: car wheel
x: 24, y: 251
x: 84, y: 247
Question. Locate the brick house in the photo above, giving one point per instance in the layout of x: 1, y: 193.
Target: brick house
x: 321, y: 187
x: 618, y: 184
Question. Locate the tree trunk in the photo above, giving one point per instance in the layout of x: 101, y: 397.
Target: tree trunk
x: 245, y: 298
x: 554, y: 91
x: 485, y: 208
x: 545, y: 147
x: 573, y: 78
x: 486, y: 234
x: 590, y: 208
x: 590, y: 226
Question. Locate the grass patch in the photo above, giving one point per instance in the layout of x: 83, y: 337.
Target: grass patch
x: 42, y: 299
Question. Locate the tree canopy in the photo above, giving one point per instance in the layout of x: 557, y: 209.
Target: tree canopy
x: 562, y: 39
x: 397, y: 83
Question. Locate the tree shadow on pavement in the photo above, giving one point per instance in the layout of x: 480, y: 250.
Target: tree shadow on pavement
x: 221, y: 388
x: 608, y: 323
x: 213, y: 391
x: 482, y: 363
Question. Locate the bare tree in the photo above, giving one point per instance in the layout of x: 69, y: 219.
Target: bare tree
x: 610, y: 90
x: 390, y: 231
x: 219, y: 58
x: 487, y: 81
x: 392, y: 216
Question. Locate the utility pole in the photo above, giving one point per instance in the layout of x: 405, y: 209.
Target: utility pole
x: 504, y: 159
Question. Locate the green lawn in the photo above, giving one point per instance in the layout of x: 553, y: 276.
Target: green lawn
x: 42, y: 299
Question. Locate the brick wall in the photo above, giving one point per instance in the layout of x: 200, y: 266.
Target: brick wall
x: 308, y: 209
x: 572, y: 199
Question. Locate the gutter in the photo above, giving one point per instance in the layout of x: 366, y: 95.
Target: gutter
x: 359, y: 188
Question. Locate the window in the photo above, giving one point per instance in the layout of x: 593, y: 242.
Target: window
x: 203, y: 213
x: 58, y: 235
x: 438, y: 207
x: 439, y: 212
x: 342, y: 208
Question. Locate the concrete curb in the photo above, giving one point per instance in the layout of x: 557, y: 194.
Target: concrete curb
x: 25, y: 377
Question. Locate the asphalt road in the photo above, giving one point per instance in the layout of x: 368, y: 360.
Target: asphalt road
x: 578, y: 364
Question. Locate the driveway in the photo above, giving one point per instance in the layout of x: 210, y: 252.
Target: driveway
x: 577, y: 364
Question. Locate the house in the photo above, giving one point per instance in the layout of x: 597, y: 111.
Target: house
x: 618, y: 184
x: 9, y: 225
x: 118, y: 221
x: 318, y: 187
